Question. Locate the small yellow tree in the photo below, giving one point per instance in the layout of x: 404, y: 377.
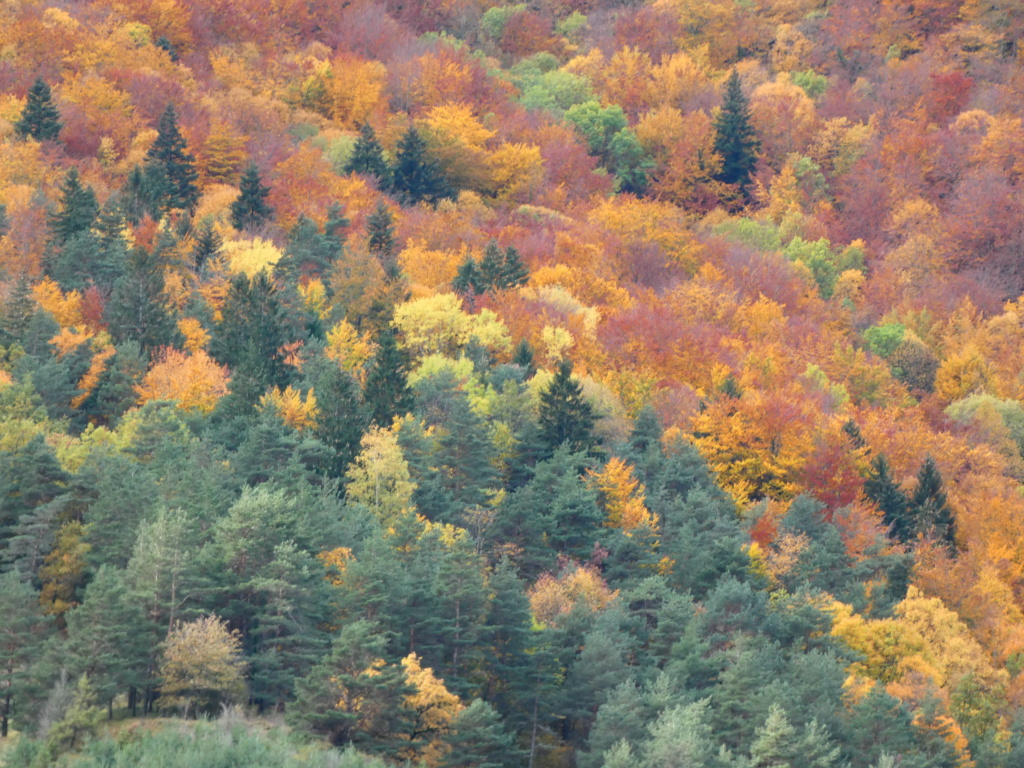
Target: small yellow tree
x: 202, y: 666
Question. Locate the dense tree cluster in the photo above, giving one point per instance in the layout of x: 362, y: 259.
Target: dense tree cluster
x: 571, y: 384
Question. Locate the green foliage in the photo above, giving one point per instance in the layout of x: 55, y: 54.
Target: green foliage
x: 250, y: 211
x: 368, y: 156
x: 493, y: 21
x: 597, y: 125
x: 884, y: 339
x: 566, y: 416
x: 415, y: 177
x: 171, y: 175
x: 735, y: 138
x: 386, y: 391
x: 814, y: 85
x: 40, y: 118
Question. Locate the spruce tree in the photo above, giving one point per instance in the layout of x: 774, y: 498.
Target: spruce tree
x: 169, y: 155
x: 138, y: 310
x: 368, y: 156
x: 5, y: 224
x: 881, y: 488
x: 928, y: 505
x: 250, y: 210
x: 18, y: 310
x: 735, y: 140
x: 513, y: 272
x: 386, y: 391
x: 523, y: 357
x: 78, y: 209
x: 380, y: 238
x: 342, y: 418
x: 207, y: 246
x: 415, y: 176
x: 40, y: 119
x: 491, y: 266
x: 566, y: 416
x: 467, y: 279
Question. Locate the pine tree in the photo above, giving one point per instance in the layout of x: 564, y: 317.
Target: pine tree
x: 882, y: 489
x: 342, y: 418
x: 368, y: 156
x: 40, y: 119
x: 416, y: 177
x: 169, y: 155
x: 78, y: 209
x: 207, y: 246
x: 735, y: 139
x: 22, y: 632
x: 928, y: 505
x: 380, y: 238
x: 566, y: 416
x: 386, y: 391
x: 478, y: 739
x: 250, y: 211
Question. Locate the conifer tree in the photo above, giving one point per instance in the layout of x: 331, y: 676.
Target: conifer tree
x: 929, y: 507
x: 18, y: 309
x: 78, y: 209
x: 490, y: 267
x: 40, y: 119
x: 478, y: 739
x: 342, y: 418
x: 882, y: 489
x: 138, y: 310
x: 523, y: 357
x: 250, y: 210
x: 387, y: 390
x: 735, y: 140
x: 368, y: 156
x: 467, y: 279
x: 207, y: 246
x: 169, y: 157
x: 5, y: 224
x: 415, y: 176
x: 566, y: 416
x: 513, y: 272
x: 380, y: 238
x: 22, y: 632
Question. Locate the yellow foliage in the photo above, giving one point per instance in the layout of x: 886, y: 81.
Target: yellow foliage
x: 66, y: 308
x: 91, y: 378
x: 357, y: 88
x: 107, y: 109
x: 251, y: 256
x: 961, y: 374
x: 347, y: 348
x: 622, y: 496
x: 336, y: 562
x: 456, y: 138
x: 196, y: 337
x: 439, y: 325
x: 69, y: 339
x: 432, y: 269
x: 517, y: 171
x: 552, y: 598
x: 433, y: 708
x: 379, y: 477
x: 222, y: 155
x: 296, y: 412
x: 680, y: 77
x: 196, y: 382
x: 639, y: 221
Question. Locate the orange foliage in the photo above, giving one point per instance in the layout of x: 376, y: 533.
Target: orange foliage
x: 195, y: 382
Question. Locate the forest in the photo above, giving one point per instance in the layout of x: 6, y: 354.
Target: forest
x: 555, y: 384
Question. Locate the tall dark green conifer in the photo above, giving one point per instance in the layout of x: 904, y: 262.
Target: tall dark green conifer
x: 415, y: 176
x: 735, y: 139
x: 368, y: 156
x: 138, y: 310
x: 566, y: 416
x: 17, y: 311
x: 513, y: 271
x: 380, y: 238
x: 78, y: 209
x: 929, y: 507
x: 882, y: 489
x: 40, y: 119
x: 387, y: 390
x: 467, y: 279
x: 169, y: 155
x: 207, y: 246
x: 342, y: 416
x: 250, y: 210
x: 22, y: 633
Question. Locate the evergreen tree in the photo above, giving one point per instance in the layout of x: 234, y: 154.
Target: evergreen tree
x: 735, y: 140
x: 40, y: 119
x: 207, y: 246
x: 22, y: 633
x: 368, y: 156
x: 467, y: 280
x: 881, y: 488
x: 415, y: 177
x: 478, y: 739
x: 18, y: 310
x: 386, y: 390
x: 250, y: 337
x: 169, y: 155
x: 342, y: 418
x: 928, y: 505
x: 78, y: 209
x: 250, y: 211
x: 523, y: 357
x: 513, y: 272
x: 490, y: 267
x: 310, y: 252
x: 380, y: 238
x: 30, y: 476
x: 566, y: 416
x: 138, y: 310
x: 5, y: 224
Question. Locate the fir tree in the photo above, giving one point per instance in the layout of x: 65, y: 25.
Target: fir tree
x: 513, y: 272
x: 467, y: 279
x: 78, y: 209
x: 18, y: 309
x: 341, y: 419
x: 137, y: 309
x: 882, y: 489
x: 566, y: 416
x: 490, y: 268
x: 169, y: 155
x: 380, y: 238
x: 310, y: 252
x: 735, y: 140
x: 22, y: 632
x: 207, y: 246
x: 250, y: 210
x: 386, y: 391
x: 5, y: 224
x: 523, y: 357
x: 929, y: 507
x: 368, y: 156
x: 416, y: 177
x: 40, y: 119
